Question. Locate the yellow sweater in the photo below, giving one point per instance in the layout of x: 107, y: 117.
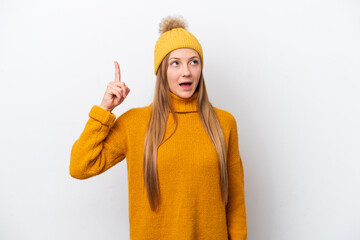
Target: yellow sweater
x: 191, y: 207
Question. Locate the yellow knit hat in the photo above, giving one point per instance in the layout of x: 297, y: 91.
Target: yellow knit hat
x: 174, y: 36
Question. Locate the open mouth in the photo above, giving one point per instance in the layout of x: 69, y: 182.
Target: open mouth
x: 186, y: 84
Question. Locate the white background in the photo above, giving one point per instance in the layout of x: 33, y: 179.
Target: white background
x: 287, y: 70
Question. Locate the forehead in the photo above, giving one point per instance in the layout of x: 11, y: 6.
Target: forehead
x: 184, y: 53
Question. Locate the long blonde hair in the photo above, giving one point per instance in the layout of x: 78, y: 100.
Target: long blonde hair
x: 156, y: 130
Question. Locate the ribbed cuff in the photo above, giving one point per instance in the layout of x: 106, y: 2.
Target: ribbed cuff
x: 105, y: 117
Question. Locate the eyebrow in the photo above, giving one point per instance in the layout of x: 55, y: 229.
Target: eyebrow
x: 179, y: 58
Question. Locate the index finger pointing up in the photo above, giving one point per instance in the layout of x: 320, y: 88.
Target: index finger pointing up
x: 117, y: 72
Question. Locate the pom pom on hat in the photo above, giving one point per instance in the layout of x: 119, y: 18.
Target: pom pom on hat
x: 170, y: 23
x: 174, y: 35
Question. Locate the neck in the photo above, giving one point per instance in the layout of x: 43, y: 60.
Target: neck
x: 184, y: 104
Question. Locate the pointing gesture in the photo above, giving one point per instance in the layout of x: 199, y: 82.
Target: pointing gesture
x: 117, y: 72
x: 116, y: 91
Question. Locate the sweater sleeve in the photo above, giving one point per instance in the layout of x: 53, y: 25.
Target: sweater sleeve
x: 235, y: 209
x: 101, y: 145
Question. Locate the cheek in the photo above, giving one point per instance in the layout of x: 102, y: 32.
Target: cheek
x: 171, y: 77
x: 198, y: 74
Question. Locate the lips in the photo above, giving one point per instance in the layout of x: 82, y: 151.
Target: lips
x: 186, y: 85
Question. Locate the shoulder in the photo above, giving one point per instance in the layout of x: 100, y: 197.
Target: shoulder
x: 228, y: 125
x: 135, y: 115
x: 227, y: 120
x: 137, y: 112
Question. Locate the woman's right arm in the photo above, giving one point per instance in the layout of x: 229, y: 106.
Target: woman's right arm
x: 102, y: 144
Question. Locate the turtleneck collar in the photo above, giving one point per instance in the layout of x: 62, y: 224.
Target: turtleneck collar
x: 184, y: 104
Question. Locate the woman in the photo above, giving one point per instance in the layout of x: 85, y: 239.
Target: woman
x: 185, y: 173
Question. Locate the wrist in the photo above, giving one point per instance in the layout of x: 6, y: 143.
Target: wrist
x: 105, y: 108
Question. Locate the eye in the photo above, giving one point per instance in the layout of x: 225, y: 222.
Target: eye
x: 195, y: 62
x: 175, y: 63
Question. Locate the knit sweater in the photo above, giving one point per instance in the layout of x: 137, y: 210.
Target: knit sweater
x: 191, y: 206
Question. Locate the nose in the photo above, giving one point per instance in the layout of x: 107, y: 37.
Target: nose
x: 186, y: 71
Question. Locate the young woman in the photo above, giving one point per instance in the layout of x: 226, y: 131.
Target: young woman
x: 185, y: 174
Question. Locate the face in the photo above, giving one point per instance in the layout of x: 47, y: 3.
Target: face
x: 183, y: 73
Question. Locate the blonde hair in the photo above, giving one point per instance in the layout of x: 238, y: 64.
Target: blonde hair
x: 156, y: 130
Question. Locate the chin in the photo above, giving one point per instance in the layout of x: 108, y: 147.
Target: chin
x: 186, y: 94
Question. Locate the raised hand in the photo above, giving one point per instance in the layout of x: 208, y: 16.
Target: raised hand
x: 116, y: 91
